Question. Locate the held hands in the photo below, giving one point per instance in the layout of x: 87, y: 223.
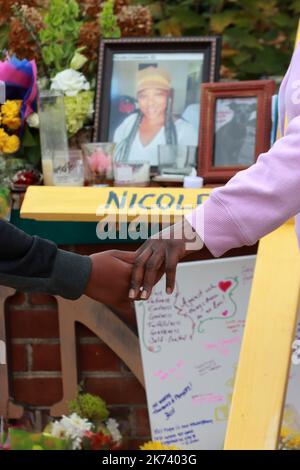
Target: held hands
x: 110, y: 278
x: 160, y: 254
x: 114, y: 272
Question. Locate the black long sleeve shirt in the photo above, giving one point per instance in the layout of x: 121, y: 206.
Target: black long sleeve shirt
x: 32, y: 264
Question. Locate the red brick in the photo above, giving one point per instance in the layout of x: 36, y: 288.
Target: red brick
x: 42, y: 299
x: 120, y: 413
x: 97, y: 357
x: 18, y: 298
x: 117, y: 391
x: 142, y: 422
x: 32, y: 324
x: 46, y: 357
x: 18, y: 357
x: 37, y: 391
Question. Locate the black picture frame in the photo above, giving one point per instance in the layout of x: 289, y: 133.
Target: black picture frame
x: 209, y: 46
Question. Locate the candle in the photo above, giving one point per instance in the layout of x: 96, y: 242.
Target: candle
x: 142, y: 174
x: 47, y: 166
x: 135, y: 173
x: 193, y: 182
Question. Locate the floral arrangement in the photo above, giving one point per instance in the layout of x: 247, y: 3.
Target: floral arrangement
x: 35, y: 29
x: 63, y: 37
x: 87, y: 427
x: 10, y: 122
x: 19, y: 138
x: 99, y: 162
x: 289, y: 439
x: 81, y: 434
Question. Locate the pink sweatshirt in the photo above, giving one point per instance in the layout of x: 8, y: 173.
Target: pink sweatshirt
x: 259, y: 199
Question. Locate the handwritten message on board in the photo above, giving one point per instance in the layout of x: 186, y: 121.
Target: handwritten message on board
x: 190, y: 345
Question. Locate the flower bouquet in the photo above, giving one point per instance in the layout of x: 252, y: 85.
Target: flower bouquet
x: 87, y: 427
x: 19, y: 143
x: 60, y: 62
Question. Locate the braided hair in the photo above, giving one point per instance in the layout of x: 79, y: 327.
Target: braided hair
x: 123, y: 148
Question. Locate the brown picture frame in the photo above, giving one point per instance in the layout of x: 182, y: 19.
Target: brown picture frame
x: 262, y: 90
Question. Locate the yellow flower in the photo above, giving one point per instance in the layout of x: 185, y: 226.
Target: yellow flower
x: 3, y: 138
x: 290, y: 437
x: 153, y: 445
x: 285, y: 432
x: 12, y: 123
x: 11, y: 145
x: 11, y: 108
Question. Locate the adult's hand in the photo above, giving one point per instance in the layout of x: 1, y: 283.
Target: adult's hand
x: 110, y: 278
x: 160, y: 254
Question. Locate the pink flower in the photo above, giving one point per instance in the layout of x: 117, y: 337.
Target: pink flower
x: 99, y: 162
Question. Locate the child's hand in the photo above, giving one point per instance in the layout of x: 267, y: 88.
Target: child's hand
x: 110, y: 279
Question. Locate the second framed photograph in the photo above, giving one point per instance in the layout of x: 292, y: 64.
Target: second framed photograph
x: 235, y: 127
x: 148, y: 97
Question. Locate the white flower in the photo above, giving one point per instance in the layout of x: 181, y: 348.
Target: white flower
x: 33, y: 120
x: 57, y: 430
x: 113, y: 427
x: 70, y: 82
x: 71, y: 427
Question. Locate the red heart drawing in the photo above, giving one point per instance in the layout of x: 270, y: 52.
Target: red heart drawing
x: 224, y: 285
x: 225, y: 313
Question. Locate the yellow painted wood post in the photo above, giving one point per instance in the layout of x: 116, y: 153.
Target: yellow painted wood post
x: 262, y: 374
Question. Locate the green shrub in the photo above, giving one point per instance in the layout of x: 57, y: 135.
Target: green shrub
x: 257, y: 35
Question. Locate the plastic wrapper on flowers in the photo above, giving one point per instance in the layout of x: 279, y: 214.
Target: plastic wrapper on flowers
x: 20, y: 78
x: 19, y: 141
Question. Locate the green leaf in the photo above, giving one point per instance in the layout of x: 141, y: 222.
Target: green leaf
x: 221, y: 21
x: 187, y: 17
x: 33, y: 155
x: 156, y: 10
x: 241, y: 58
x: 295, y: 6
x: 281, y: 20
x: 244, y: 38
x: 28, y: 139
x: 171, y: 27
x: 4, y: 30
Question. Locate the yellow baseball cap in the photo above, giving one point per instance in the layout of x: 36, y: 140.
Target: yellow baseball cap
x: 153, y: 77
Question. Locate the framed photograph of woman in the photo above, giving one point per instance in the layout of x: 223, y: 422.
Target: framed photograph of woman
x: 235, y: 127
x: 148, y: 93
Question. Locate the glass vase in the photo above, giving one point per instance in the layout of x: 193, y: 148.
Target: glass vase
x: 97, y: 162
x: 54, y: 139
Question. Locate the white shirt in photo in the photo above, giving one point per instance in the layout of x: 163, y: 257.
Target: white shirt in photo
x: 186, y: 135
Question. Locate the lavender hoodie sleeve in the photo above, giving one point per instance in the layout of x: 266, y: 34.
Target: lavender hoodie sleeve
x: 259, y: 199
